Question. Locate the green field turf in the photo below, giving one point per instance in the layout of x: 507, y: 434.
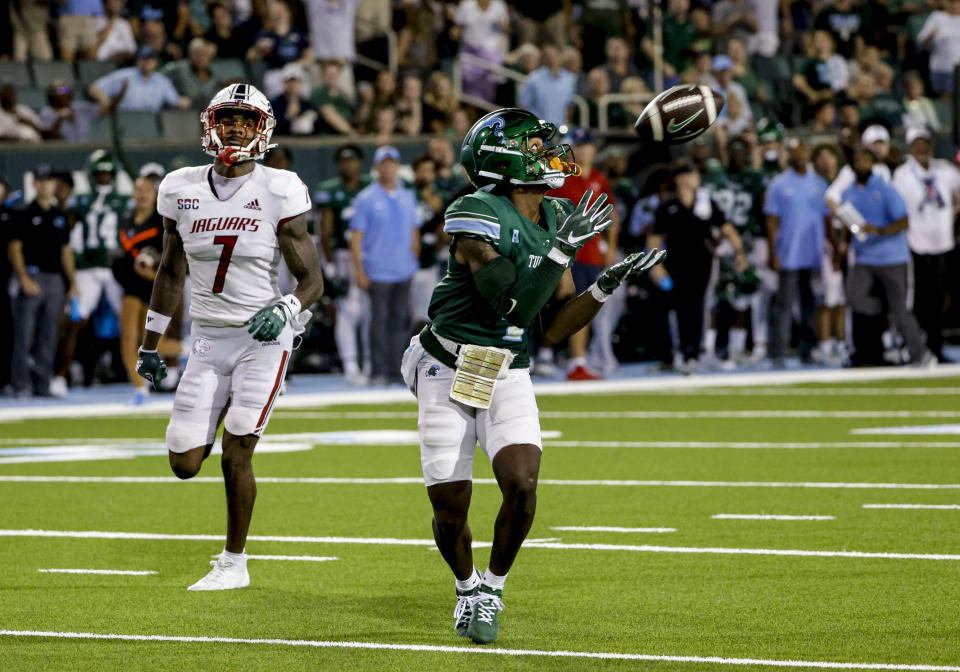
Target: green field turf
x: 706, y: 600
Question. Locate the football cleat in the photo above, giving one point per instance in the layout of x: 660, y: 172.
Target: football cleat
x: 225, y: 575
x: 464, y: 610
x: 486, y: 606
x: 583, y: 373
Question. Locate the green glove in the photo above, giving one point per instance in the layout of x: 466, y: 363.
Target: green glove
x: 151, y: 367
x: 638, y: 262
x: 267, y: 324
x: 584, y: 223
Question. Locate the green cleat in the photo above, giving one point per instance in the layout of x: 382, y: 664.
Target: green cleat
x: 483, y: 621
x: 464, y: 610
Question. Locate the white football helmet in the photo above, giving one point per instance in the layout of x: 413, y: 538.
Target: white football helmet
x: 249, y: 99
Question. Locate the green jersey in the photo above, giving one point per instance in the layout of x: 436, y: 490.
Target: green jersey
x: 334, y: 195
x: 457, y: 309
x: 96, y: 231
x: 740, y: 197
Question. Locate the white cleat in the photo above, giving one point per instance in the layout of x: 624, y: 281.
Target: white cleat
x: 225, y: 575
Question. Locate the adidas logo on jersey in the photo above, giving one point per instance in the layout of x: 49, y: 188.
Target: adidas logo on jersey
x: 253, y: 205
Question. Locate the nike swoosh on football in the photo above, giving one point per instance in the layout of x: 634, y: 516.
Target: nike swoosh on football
x: 673, y: 126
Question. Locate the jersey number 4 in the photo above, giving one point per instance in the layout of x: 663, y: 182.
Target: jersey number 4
x: 228, y: 242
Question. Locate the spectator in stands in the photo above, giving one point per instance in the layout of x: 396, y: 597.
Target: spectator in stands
x: 373, y: 20
x: 294, y: 112
x: 192, y: 77
x: 796, y: 224
x: 221, y: 32
x: 417, y: 44
x: 743, y: 73
x: 767, y: 39
x: 878, y: 278
x: 867, y: 59
x: 846, y: 23
x: 463, y: 119
x: 599, y: 21
x: 384, y: 125
x: 115, y: 40
x: 29, y: 19
x: 832, y: 313
x: 385, y: 243
x: 482, y: 26
x: 703, y: 42
x: 64, y: 118
x: 449, y: 181
x: 334, y: 109
x: 598, y: 85
x: 6, y: 313
x: 279, y: 42
x: 930, y: 189
x: 733, y: 19
x: 40, y: 254
x: 549, y: 90
x: 409, y: 108
x: 821, y: 76
x: 544, y: 21
x: 439, y: 103
x: 332, y: 36
x: 941, y: 35
x: 919, y: 110
x: 78, y: 28
x: 678, y: 36
x: 722, y: 69
x: 824, y: 117
x: 635, y: 86
x: 886, y: 105
x: 572, y: 62
x: 619, y: 64
x: 17, y: 122
x: 154, y: 34
x: 139, y: 87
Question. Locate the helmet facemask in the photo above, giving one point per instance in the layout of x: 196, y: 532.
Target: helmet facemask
x: 214, y: 132
x: 553, y: 164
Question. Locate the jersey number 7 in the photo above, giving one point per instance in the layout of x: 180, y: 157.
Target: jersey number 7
x: 228, y: 242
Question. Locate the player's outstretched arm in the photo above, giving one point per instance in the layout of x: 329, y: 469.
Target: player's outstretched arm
x: 578, y: 311
x: 300, y: 253
x: 167, y: 289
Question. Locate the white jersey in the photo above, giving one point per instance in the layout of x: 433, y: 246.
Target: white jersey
x: 231, y: 245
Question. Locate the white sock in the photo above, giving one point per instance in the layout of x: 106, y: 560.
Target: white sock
x: 709, y: 341
x: 470, y: 583
x: 545, y: 354
x: 237, y: 558
x: 575, y: 362
x: 738, y: 340
x: 493, y: 581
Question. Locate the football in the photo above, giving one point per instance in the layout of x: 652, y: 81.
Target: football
x: 679, y: 114
x: 148, y: 257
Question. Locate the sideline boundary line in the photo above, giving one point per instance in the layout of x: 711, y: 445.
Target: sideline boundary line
x: 429, y: 648
x: 429, y: 543
x: 66, y: 409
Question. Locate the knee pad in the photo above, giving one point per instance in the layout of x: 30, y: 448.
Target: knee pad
x: 441, y: 435
x: 182, y: 437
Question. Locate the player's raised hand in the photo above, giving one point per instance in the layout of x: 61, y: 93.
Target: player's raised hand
x: 636, y: 263
x: 151, y: 367
x: 268, y: 322
x: 584, y: 223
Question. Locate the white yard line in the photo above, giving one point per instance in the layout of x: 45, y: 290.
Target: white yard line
x: 429, y: 648
x: 763, y: 516
x: 641, y: 415
x: 754, y: 445
x: 788, y: 391
x: 301, y: 558
x: 416, y: 480
x: 943, y: 507
x: 600, y: 528
x: 123, y: 572
x: 532, y: 543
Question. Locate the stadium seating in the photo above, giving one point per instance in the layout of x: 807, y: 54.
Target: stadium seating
x: 90, y: 71
x: 32, y: 98
x: 12, y: 72
x: 45, y: 72
x: 180, y: 124
x: 225, y: 69
x: 132, y: 125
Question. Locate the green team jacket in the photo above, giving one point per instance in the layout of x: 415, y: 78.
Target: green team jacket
x: 457, y: 309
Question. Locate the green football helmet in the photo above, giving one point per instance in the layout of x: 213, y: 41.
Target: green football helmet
x: 769, y: 130
x: 496, y: 152
x: 101, y: 161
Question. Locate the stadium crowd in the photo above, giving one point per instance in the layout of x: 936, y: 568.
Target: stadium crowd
x: 815, y: 198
